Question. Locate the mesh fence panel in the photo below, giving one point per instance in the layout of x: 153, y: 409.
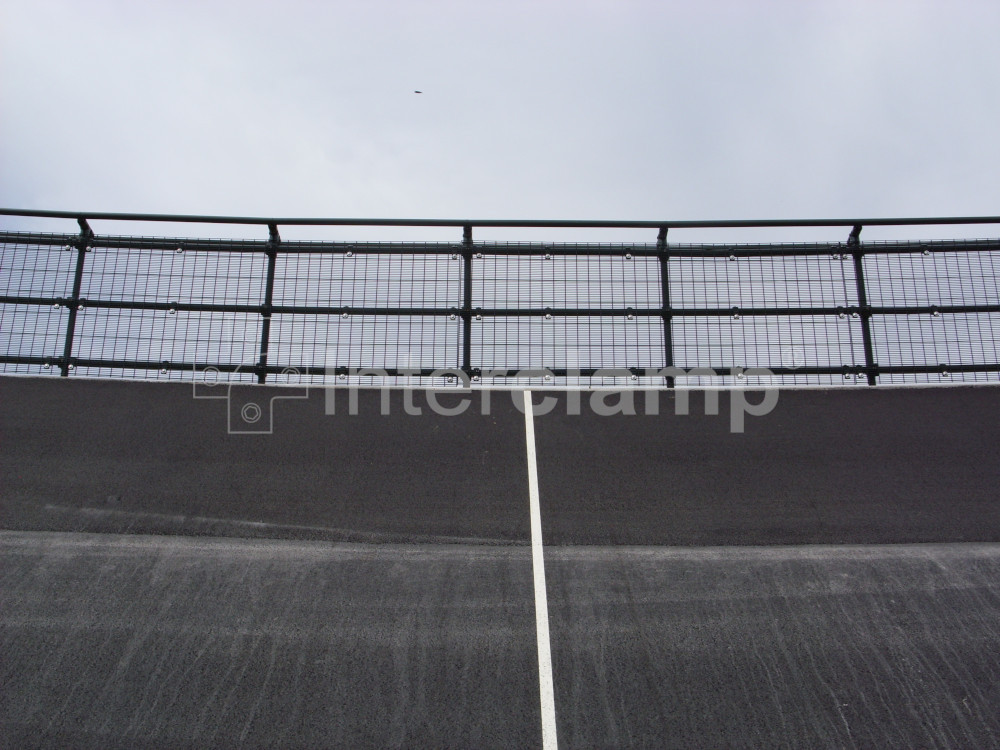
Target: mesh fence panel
x: 933, y: 278
x: 365, y: 341
x: 162, y: 308
x: 193, y: 339
x: 565, y: 281
x: 368, y: 280
x: 942, y: 340
x: 577, y: 342
x: 30, y: 331
x: 757, y: 341
x: 30, y: 269
x: 186, y: 277
x: 810, y: 281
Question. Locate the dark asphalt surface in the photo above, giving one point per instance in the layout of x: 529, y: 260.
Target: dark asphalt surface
x: 809, y: 647
x: 125, y: 641
x: 115, y: 641
x: 353, y: 581
x: 149, y: 458
x: 824, y: 467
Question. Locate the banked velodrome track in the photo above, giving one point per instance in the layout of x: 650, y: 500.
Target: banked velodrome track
x: 830, y: 577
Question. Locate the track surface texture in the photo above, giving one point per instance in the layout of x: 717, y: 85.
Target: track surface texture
x: 830, y: 577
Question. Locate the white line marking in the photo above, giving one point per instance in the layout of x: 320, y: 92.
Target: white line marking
x: 546, y: 690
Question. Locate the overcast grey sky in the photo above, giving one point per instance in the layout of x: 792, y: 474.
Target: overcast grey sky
x: 575, y: 110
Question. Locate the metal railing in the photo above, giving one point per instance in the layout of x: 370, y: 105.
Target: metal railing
x: 654, y: 313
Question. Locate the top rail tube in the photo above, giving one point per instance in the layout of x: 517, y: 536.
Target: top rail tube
x: 550, y: 223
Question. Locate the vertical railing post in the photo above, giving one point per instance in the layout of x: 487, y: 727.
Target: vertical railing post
x: 467, y: 300
x: 854, y: 244
x: 273, y: 241
x: 74, y: 303
x: 668, y: 339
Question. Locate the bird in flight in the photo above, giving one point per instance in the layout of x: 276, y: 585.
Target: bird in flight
x: 417, y: 92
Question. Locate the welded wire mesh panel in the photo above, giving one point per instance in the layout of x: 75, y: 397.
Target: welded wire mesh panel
x: 364, y: 341
x: 565, y: 281
x: 395, y: 307
x: 368, y: 280
x: 783, y: 341
x: 157, y: 336
x: 33, y: 270
x: 937, y: 340
x: 31, y: 331
x: 781, y: 281
x: 580, y: 342
x: 152, y: 275
x: 938, y: 277
x: 933, y: 278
